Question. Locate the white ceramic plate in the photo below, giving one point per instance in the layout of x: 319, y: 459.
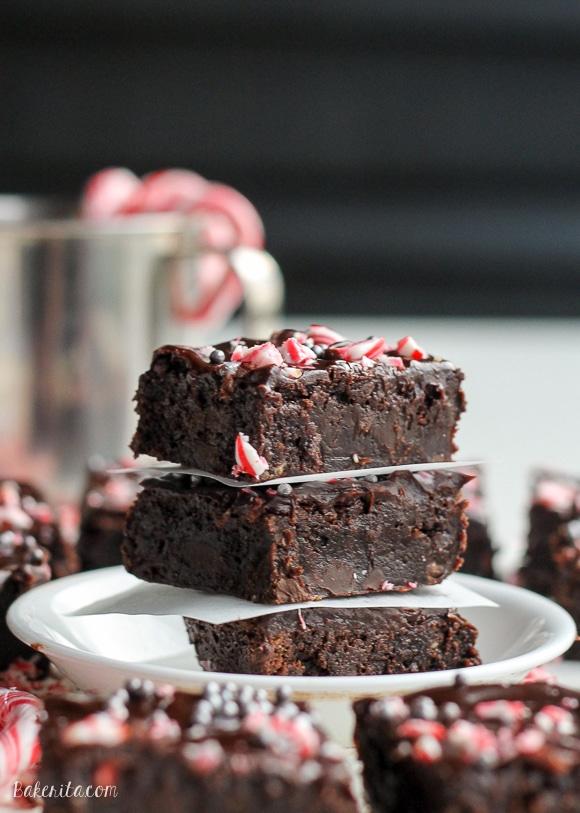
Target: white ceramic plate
x: 101, y: 652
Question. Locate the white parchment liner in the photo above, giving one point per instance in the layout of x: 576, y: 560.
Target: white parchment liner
x: 159, y: 469
x: 161, y: 599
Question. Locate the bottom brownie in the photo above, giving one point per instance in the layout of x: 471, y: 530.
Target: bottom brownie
x: 472, y: 750
x: 231, y: 751
x: 324, y: 641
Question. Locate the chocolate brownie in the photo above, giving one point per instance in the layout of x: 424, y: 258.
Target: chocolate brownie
x: 231, y: 750
x: 555, y: 501
x: 565, y: 588
x: 301, y: 542
x: 330, y: 642
x: 104, y: 507
x: 304, y: 402
x: 480, y: 551
x: 23, y: 564
x: 472, y: 750
x: 24, y: 510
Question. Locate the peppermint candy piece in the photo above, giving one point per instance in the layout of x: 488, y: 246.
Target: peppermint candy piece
x: 409, y: 349
x: 248, y: 461
x: 107, y: 191
x: 296, y: 353
x: 100, y: 728
x: 322, y: 335
x: 262, y: 355
x: 355, y: 351
x: 394, y: 361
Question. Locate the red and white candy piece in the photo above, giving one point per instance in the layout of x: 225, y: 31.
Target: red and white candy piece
x: 167, y: 190
x: 107, y: 192
x: 296, y: 353
x: 19, y: 724
x: 356, y: 351
x: 262, y: 355
x: 416, y: 727
x: 409, y: 349
x: 394, y: 361
x: 322, y: 335
x: 101, y: 728
x: 248, y: 461
x: 427, y: 749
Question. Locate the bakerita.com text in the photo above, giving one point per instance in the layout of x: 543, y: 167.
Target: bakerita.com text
x: 64, y: 791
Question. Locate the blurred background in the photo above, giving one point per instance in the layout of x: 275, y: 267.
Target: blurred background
x: 433, y: 147
x: 416, y: 166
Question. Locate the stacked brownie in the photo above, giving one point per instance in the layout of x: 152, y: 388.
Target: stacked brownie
x: 300, y: 404
x: 552, y: 561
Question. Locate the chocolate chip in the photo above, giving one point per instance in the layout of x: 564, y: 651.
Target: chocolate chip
x: 284, y: 489
x: 217, y: 357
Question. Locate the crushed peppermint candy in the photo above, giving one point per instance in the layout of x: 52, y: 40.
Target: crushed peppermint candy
x: 322, y: 335
x: 204, y: 757
x: 409, y: 349
x: 248, y: 461
x: 483, y: 727
x: 370, y: 348
x: 261, y: 355
x: 387, y: 586
x: 293, y: 352
x: 101, y: 728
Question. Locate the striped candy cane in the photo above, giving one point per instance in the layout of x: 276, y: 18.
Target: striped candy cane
x: 19, y: 724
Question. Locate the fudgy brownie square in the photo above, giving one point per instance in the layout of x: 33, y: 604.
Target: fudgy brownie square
x: 231, y: 750
x: 331, y: 642
x: 303, y: 402
x: 25, y: 510
x: 23, y: 564
x: 565, y: 588
x: 472, y: 749
x: 301, y: 542
x: 479, y: 552
x: 555, y: 501
x: 104, y: 506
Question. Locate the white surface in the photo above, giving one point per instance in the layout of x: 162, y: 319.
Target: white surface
x: 101, y: 652
x: 130, y: 596
x: 523, y: 393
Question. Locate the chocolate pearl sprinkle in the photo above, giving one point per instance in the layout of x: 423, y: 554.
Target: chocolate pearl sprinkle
x: 284, y: 489
x: 217, y: 357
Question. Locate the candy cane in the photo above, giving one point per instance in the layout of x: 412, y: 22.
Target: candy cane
x: 19, y: 724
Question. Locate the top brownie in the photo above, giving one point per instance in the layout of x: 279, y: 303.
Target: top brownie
x: 303, y: 402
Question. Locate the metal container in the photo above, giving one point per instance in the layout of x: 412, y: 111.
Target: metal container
x: 82, y: 306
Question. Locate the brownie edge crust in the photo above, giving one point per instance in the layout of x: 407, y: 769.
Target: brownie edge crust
x: 332, y: 642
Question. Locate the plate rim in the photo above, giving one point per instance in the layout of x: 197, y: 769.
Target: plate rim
x: 561, y: 629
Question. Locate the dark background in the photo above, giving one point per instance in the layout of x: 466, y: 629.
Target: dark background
x: 406, y: 156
